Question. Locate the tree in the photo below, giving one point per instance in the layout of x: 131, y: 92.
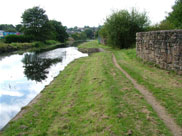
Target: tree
x: 19, y: 28
x: 35, y: 23
x: 7, y: 28
x: 79, y: 36
x: 58, y: 32
x: 121, y: 27
x: 175, y: 17
x: 89, y: 32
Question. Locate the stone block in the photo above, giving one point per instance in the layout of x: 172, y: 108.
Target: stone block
x: 162, y: 47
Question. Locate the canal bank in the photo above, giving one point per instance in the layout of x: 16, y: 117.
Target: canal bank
x: 90, y: 97
x: 24, y: 76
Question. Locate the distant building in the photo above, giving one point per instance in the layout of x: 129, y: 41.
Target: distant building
x: 3, y: 33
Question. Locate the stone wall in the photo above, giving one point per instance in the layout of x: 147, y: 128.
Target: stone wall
x: 161, y: 47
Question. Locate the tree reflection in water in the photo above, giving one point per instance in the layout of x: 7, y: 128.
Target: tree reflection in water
x: 36, y: 68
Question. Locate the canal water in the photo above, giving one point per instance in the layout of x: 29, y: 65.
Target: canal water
x: 22, y: 77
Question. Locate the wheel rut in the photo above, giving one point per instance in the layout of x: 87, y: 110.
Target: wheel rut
x: 159, y: 109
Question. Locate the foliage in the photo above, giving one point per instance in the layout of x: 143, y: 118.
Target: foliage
x: 79, y: 36
x: 58, y: 32
x: 7, y: 28
x: 35, y: 23
x: 7, y: 46
x: 121, y: 27
x: 164, y: 25
x: 38, y: 44
x: 175, y: 17
x: 19, y: 28
x: 17, y: 38
x: 172, y: 21
x: 83, y: 33
x: 97, y: 31
x: 50, y: 42
x: 89, y: 33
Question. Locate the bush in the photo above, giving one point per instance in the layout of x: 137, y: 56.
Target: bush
x: 121, y: 27
x: 38, y: 44
x: 164, y: 25
x: 21, y: 45
x: 17, y: 39
x: 175, y: 17
x: 50, y: 42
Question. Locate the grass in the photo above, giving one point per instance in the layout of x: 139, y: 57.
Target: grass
x: 90, y: 97
x: 34, y: 46
x: 14, y: 45
x: 166, y: 86
x: 93, y: 44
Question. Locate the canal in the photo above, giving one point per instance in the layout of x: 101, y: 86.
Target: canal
x: 22, y: 77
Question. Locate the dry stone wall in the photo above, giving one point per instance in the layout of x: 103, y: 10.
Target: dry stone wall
x: 161, y: 47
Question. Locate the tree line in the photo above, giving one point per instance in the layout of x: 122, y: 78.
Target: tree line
x: 120, y: 28
x: 36, y: 26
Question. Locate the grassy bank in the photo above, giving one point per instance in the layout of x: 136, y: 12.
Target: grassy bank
x: 90, y: 97
x: 93, y: 44
x: 166, y: 86
x: 34, y: 46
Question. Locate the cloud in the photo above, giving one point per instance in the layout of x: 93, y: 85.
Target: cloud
x: 7, y: 112
x: 82, y: 12
x: 27, y: 89
x: 10, y: 93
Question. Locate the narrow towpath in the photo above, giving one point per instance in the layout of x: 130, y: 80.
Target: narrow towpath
x: 161, y: 111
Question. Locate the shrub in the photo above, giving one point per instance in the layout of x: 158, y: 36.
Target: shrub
x: 121, y: 27
x: 21, y: 45
x: 50, y: 42
x: 164, y: 25
x: 175, y: 17
x: 17, y: 38
x: 38, y: 44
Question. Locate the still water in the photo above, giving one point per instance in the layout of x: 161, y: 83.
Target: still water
x: 22, y: 77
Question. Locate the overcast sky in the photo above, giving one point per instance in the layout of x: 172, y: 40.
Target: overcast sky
x: 82, y: 12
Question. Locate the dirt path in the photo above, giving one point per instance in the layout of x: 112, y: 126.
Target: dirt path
x: 161, y: 111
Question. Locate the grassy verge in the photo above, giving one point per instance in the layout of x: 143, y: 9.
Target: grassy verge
x: 165, y: 86
x: 34, y: 46
x: 93, y: 44
x: 90, y: 97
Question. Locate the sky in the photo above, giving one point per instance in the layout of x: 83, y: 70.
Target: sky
x: 83, y: 12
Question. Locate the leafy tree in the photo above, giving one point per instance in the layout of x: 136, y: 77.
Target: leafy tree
x: 19, y: 28
x: 89, y: 32
x: 121, y: 27
x: 83, y: 36
x: 58, y: 32
x: 75, y: 36
x: 79, y: 36
x: 35, y: 23
x: 175, y: 17
x: 164, y: 25
x: 7, y: 28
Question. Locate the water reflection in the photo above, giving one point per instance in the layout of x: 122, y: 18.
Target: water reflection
x: 36, y: 68
x: 20, y: 76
